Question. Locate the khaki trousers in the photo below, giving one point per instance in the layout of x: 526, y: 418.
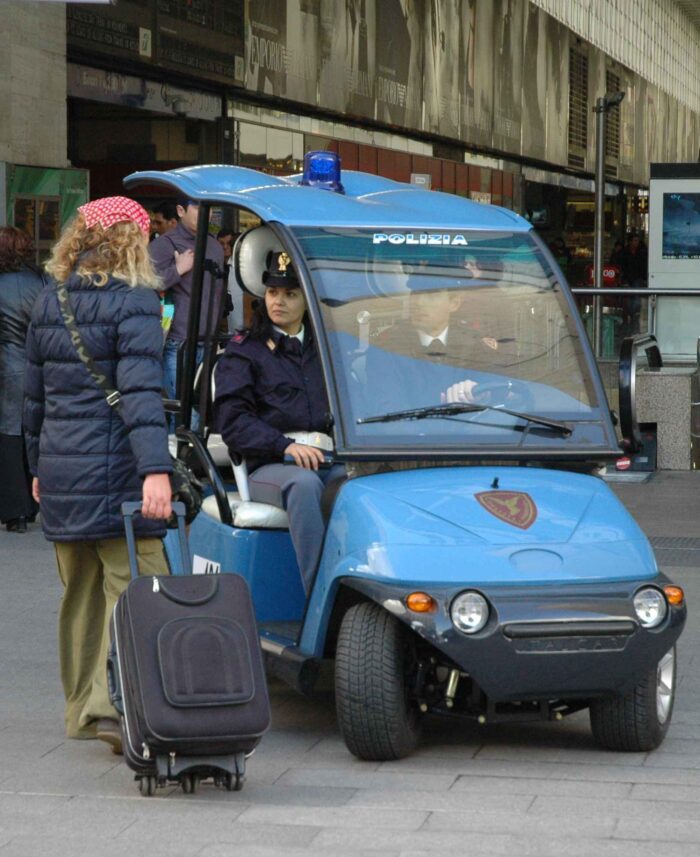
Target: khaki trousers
x: 94, y: 574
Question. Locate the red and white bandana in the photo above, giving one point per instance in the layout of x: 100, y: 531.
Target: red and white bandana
x: 115, y: 209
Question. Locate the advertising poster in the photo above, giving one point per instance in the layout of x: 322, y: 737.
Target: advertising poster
x: 204, y: 37
x: 266, y: 47
x: 534, y: 84
x: 122, y: 30
x: 681, y: 226
x: 557, y: 94
x: 443, y: 61
x: 348, y: 49
x: 399, y: 62
x: 508, y: 72
x: 303, y: 60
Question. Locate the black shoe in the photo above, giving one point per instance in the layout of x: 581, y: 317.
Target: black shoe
x: 17, y: 525
x: 108, y: 731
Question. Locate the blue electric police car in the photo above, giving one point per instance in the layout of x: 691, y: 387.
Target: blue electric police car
x: 473, y: 561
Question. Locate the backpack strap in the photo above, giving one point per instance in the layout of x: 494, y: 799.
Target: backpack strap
x: 112, y: 396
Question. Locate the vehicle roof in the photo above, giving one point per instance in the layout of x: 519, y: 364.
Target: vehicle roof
x: 369, y: 200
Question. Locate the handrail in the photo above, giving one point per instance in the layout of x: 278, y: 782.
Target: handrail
x: 621, y: 290
x: 627, y: 375
x: 195, y: 441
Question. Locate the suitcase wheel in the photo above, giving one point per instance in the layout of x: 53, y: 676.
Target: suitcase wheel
x: 189, y: 783
x: 233, y: 782
x: 147, y: 786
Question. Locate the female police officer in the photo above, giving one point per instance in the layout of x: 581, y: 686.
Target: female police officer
x: 269, y: 386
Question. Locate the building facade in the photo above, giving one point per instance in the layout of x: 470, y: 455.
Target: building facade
x: 490, y: 99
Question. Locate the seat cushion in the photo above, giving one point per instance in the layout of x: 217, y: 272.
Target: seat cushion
x: 248, y: 515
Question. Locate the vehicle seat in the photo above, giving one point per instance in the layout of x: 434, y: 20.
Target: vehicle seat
x: 247, y: 514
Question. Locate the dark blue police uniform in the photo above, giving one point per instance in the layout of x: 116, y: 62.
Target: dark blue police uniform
x: 265, y: 388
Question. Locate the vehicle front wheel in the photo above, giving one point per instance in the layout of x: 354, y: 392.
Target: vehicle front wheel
x: 638, y: 721
x: 377, y: 719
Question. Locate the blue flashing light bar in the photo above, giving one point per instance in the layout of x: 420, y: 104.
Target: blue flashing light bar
x: 322, y: 170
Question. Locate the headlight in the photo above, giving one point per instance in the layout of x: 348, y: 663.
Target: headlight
x: 469, y: 612
x: 650, y: 607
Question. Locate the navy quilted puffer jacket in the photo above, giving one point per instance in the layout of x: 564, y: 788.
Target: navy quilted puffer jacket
x: 88, y: 457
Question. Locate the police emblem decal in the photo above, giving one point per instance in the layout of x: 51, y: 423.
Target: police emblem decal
x: 282, y: 261
x: 513, y: 507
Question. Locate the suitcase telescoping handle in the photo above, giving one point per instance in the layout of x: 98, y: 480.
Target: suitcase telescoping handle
x: 128, y: 512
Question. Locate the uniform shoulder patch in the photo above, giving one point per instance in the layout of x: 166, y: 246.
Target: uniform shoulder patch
x: 240, y: 336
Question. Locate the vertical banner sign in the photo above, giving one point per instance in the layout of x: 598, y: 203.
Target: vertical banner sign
x: 534, y: 84
x: 508, y: 68
x: 443, y: 61
x: 266, y: 47
x: 348, y: 45
x: 399, y: 62
x: 557, y: 76
x: 477, y: 38
x: 303, y: 38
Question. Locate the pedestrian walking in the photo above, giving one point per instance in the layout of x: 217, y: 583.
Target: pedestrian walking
x: 86, y: 456
x: 20, y: 285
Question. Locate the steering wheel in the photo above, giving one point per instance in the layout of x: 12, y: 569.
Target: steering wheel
x: 509, y: 392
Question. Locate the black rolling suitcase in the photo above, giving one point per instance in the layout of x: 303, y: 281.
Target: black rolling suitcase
x: 186, y: 674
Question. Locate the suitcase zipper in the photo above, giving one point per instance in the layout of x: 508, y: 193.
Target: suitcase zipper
x: 146, y: 752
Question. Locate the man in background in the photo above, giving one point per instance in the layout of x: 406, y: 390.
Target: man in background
x: 173, y: 258
x: 163, y: 218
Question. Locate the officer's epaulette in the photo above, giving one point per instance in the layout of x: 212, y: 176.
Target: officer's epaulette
x: 240, y: 336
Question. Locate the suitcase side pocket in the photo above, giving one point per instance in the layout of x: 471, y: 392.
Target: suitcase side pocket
x: 205, y: 662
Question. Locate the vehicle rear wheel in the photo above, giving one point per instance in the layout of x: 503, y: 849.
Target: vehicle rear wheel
x: 377, y: 719
x: 638, y: 721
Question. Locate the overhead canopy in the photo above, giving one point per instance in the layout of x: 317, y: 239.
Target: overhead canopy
x: 368, y: 200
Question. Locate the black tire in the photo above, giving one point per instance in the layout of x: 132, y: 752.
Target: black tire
x: 638, y: 722
x: 376, y: 719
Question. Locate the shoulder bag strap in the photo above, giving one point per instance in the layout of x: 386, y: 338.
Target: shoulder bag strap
x: 111, y: 395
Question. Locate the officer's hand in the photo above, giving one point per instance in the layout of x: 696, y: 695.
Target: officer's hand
x: 308, y: 457
x: 35, y: 490
x: 157, y: 495
x: 460, y: 392
x: 184, y: 261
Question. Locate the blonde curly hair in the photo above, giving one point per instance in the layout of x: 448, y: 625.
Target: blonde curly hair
x: 97, y: 253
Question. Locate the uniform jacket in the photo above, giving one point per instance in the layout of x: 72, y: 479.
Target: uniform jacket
x: 162, y: 252
x: 89, y: 458
x: 18, y: 291
x: 267, y: 388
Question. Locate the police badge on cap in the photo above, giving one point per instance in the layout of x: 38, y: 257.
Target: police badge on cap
x: 280, y: 271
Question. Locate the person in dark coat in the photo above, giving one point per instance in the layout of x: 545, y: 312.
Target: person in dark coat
x: 19, y: 286
x: 635, y: 263
x: 269, y: 384
x: 87, y: 457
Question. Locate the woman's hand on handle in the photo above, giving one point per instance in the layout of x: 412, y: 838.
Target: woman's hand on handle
x: 157, y: 495
x: 308, y: 457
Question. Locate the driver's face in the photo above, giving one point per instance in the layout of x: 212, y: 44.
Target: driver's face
x: 431, y: 311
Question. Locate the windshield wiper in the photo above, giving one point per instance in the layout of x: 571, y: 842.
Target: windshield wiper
x: 450, y: 410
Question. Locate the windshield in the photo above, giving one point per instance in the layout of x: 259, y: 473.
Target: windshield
x: 417, y: 320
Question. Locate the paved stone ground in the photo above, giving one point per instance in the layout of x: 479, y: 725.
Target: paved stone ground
x: 538, y: 790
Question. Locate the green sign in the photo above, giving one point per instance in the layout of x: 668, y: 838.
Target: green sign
x: 68, y: 187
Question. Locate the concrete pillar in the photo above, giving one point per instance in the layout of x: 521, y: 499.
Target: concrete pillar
x: 33, y: 119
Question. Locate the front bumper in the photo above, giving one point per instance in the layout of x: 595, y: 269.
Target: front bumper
x: 543, y: 643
